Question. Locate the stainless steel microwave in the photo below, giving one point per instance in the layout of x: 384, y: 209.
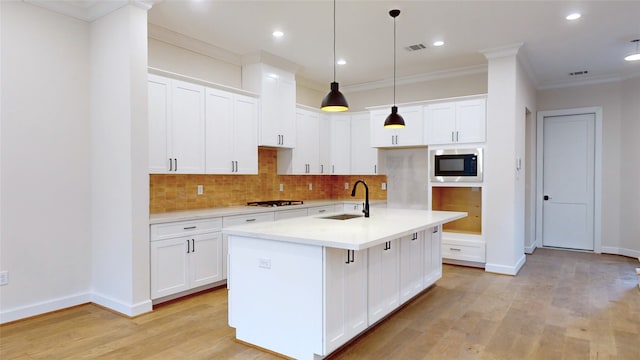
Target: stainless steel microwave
x: 456, y: 165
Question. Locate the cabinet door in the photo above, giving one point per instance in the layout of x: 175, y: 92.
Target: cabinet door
x: 432, y: 257
x: 346, y: 296
x: 440, y: 123
x: 245, y: 138
x: 364, y: 158
x: 306, y: 154
x: 287, y: 113
x: 269, y: 123
x: 205, y: 259
x: 219, y: 132
x: 380, y: 136
x: 324, y: 144
x: 413, y: 132
x: 169, y: 266
x: 159, y: 112
x: 411, y: 265
x: 187, y: 127
x: 340, y: 144
x: 384, y: 280
x: 470, y: 121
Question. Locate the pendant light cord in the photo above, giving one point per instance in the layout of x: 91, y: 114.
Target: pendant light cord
x: 334, y: 40
x: 394, y: 61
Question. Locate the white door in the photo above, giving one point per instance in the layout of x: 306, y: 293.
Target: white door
x: 568, y: 181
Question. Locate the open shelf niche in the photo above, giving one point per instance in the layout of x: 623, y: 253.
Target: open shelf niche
x: 468, y: 199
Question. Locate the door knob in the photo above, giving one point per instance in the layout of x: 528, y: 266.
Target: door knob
x: 546, y: 197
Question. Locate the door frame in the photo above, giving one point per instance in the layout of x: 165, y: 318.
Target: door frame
x: 597, y: 201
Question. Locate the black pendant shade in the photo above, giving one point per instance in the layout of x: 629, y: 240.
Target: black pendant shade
x: 394, y: 120
x: 334, y: 101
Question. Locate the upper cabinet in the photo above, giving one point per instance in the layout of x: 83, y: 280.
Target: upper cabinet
x: 410, y: 135
x: 231, y: 133
x: 305, y: 157
x: 455, y: 122
x: 364, y: 158
x: 176, y: 126
x: 277, y: 89
x: 340, y: 144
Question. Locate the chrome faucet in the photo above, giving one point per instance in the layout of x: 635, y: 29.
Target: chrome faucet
x: 365, y: 209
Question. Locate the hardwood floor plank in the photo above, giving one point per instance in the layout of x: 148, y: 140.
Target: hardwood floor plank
x: 562, y: 305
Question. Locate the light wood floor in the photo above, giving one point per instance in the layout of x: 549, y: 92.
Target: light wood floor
x: 562, y: 305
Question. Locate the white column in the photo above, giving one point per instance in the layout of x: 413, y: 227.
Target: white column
x: 504, y: 229
x: 119, y: 177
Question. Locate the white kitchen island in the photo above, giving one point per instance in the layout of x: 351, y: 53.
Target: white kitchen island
x: 303, y: 287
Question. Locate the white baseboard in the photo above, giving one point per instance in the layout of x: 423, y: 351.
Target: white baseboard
x: 123, y: 308
x: 43, y: 307
x: 505, y: 269
x: 620, y: 251
x: 530, y: 249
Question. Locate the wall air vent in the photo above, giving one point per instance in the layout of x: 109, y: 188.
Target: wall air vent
x: 575, y: 73
x: 415, y: 47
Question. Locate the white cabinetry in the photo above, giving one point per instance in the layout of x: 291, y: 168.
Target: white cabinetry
x: 305, y: 157
x: 324, y: 134
x: 185, y: 255
x: 364, y: 158
x: 432, y: 258
x: 231, y: 133
x: 290, y: 214
x: 277, y: 89
x: 410, y: 135
x: 239, y: 220
x: 384, y: 280
x: 176, y: 126
x: 411, y: 265
x: 455, y: 122
x: 340, y: 138
x: 319, y: 210
x: 345, y: 296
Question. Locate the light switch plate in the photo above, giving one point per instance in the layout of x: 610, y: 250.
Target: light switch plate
x: 4, y: 278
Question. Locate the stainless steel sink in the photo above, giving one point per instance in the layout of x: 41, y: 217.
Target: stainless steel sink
x: 342, y: 216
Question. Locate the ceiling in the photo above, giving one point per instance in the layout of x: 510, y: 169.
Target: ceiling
x: 552, y: 46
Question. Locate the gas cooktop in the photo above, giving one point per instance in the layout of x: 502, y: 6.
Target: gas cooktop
x: 269, y: 203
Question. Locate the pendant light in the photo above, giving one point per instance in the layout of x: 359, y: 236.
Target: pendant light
x: 636, y: 55
x: 394, y: 120
x: 334, y: 101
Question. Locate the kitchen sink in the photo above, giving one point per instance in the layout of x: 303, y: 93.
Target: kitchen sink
x: 342, y: 216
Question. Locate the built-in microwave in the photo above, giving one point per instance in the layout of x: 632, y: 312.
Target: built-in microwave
x: 456, y: 165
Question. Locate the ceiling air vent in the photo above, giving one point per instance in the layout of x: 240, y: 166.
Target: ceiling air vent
x: 415, y: 47
x: 575, y: 73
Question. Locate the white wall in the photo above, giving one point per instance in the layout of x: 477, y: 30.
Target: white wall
x: 120, y: 181
x: 619, y: 101
x: 45, y: 241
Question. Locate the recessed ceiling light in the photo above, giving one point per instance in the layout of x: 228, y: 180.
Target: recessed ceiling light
x: 574, y: 16
x: 341, y: 62
x: 438, y: 43
x: 278, y: 34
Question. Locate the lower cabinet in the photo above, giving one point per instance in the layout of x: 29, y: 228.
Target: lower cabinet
x: 411, y: 265
x: 384, y: 279
x: 183, y: 263
x: 432, y: 258
x: 345, y: 296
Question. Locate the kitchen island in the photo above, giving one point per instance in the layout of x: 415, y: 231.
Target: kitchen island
x: 303, y: 287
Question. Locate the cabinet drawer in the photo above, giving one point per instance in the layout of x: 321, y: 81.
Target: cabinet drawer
x: 318, y: 210
x: 463, y: 251
x: 290, y: 214
x: 247, y: 219
x: 185, y: 228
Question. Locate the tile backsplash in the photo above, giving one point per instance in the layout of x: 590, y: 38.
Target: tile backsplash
x: 179, y: 192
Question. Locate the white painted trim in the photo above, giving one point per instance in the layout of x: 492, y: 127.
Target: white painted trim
x: 591, y: 80
x: 530, y: 249
x: 43, y: 307
x: 501, y: 51
x: 123, y: 308
x: 506, y: 270
x: 597, y: 211
x: 620, y: 251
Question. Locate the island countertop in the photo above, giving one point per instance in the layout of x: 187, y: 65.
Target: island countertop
x: 352, y: 234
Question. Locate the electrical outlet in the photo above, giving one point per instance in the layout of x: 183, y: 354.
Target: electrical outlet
x: 200, y: 189
x: 346, y: 186
x: 264, y: 263
x: 384, y: 186
x: 310, y: 186
x: 281, y: 187
x: 4, y: 278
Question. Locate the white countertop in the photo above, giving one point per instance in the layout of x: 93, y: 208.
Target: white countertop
x: 353, y: 234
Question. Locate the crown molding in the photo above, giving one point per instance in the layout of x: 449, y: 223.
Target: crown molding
x: 592, y: 80
x: 436, y: 75
x: 271, y: 59
x: 501, y: 51
x: 89, y: 10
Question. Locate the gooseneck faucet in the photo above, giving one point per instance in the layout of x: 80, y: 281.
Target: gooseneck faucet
x: 366, y: 196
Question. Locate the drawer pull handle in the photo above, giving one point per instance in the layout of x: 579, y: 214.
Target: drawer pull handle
x: 321, y: 211
x: 190, y: 227
x: 455, y: 249
x: 250, y: 220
